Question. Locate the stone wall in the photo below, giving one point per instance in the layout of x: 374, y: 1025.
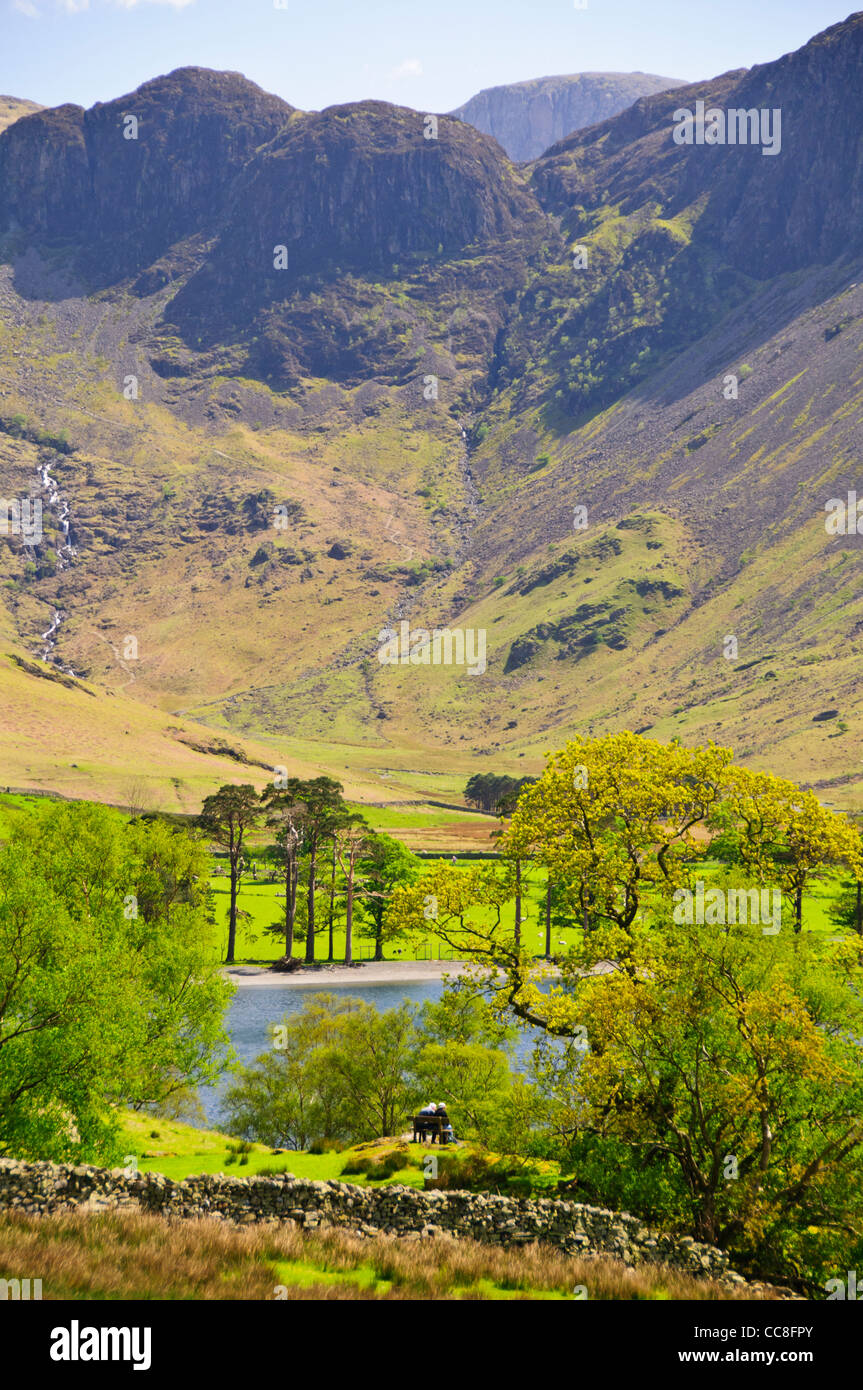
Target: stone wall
x: 41, y: 1188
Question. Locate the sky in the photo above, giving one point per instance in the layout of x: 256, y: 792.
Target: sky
x: 428, y: 54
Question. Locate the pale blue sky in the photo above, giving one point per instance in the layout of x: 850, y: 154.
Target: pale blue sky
x: 428, y: 54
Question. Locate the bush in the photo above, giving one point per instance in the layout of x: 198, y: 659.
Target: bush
x: 378, y: 1166
x: 238, y: 1153
x: 477, y: 1172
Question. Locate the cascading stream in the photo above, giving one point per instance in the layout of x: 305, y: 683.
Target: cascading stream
x: 66, y: 552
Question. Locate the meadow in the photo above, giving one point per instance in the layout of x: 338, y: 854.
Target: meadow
x: 261, y: 903
x: 181, y: 1150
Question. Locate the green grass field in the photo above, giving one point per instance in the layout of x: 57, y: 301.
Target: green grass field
x: 181, y: 1151
x: 262, y: 901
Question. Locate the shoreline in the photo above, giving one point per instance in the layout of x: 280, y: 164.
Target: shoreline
x: 380, y: 972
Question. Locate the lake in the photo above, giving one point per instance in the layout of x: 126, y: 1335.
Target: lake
x: 253, y: 1010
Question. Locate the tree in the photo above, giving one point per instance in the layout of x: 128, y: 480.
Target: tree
x: 324, y: 808
x: 847, y: 909
x: 509, y: 847
x: 781, y: 833
x: 226, y: 817
x: 487, y: 790
x: 472, y: 1079
x: 331, y: 911
x: 290, y: 1097
x: 463, y: 1015
x: 616, y: 816
x: 463, y: 1057
x: 135, y: 796
x: 384, y: 864
x: 286, y: 815
x: 728, y: 1065
x: 374, y: 1057
x: 613, y: 820
x: 444, y: 900
x: 109, y: 993
x: 351, y: 842
x: 339, y: 1069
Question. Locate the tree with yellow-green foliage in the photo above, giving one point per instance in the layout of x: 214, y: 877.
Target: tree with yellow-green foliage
x: 618, y: 815
x: 722, y: 1083
x: 779, y: 832
x: 721, y: 1088
x: 625, y: 820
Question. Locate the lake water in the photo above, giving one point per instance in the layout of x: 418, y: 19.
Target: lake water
x: 253, y: 1010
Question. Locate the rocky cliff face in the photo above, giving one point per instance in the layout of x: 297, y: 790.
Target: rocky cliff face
x: 125, y: 180
x: 757, y: 210
x: 357, y: 195
x: 700, y: 224
x: 362, y: 198
x: 383, y: 228
x: 528, y: 117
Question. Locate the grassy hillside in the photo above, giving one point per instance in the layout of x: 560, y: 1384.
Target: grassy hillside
x: 13, y: 108
x: 619, y: 625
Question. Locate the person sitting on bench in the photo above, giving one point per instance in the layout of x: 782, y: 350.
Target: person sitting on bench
x: 422, y: 1122
x: 447, y: 1135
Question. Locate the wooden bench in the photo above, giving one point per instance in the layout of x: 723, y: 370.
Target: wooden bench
x: 433, y: 1125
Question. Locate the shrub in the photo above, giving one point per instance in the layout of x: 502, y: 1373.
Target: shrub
x: 478, y: 1172
x: 378, y: 1166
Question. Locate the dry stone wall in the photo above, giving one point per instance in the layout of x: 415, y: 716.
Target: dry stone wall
x: 43, y: 1188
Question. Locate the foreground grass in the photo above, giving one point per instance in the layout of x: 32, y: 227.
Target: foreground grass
x: 133, y: 1255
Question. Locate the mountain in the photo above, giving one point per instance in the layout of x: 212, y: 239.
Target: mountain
x: 372, y: 202
x: 12, y: 108
x: 528, y: 117
x: 457, y: 355
x: 119, y: 195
